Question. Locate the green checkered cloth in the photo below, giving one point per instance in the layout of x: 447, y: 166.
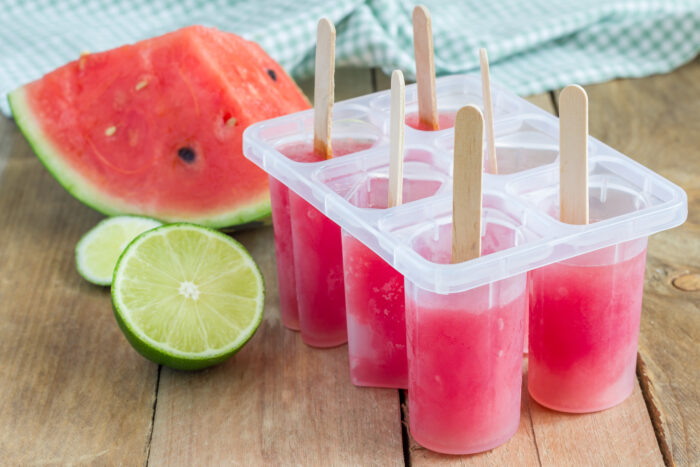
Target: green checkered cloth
x: 533, y: 45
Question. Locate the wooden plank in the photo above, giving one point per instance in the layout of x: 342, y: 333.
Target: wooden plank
x: 349, y: 82
x: 622, y: 435
x: 72, y: 388
x: 655, y: 121
x: 278, y: 401
x: 7, y: 131
x: 381, y: 80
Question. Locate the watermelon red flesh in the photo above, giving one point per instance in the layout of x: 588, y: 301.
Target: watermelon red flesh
x: 155, y: 128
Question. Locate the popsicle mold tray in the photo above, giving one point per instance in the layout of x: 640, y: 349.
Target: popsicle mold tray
x: 627, y: 200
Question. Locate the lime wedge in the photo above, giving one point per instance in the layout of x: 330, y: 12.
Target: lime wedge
x: 187, y: 296
x: 97, y: 252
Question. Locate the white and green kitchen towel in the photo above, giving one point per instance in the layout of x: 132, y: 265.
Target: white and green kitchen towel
x: 533, y: 45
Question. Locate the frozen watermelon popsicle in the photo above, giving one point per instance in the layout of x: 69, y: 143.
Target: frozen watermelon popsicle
x: 374, y: 290
x: 465, y: 347
x: 308, y: 244
x: 585, y: 311
x: 374, y: 297
x: 282, y: 221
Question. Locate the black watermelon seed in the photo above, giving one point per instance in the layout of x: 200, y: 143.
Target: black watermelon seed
x: 272, y: 74
x: 186, y: 154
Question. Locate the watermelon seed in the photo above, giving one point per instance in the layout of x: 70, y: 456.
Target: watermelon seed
x: 141, y: 84
x: 186, y: 154
x: 272, y: 74
x: 231, y: 121
x: 111, y: 130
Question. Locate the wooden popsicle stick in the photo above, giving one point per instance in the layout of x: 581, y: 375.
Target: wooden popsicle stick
x: 324, y: 87
x: 573, y: 155
x: 396, y: 135
x: 488, y: 111
x: 466, y: 189
x: 425, y: 67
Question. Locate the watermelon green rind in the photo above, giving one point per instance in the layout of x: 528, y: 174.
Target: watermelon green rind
x: 84, y: 191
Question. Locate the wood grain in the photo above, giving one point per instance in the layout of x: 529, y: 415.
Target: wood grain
x: 396, y: 136
x: 7, y: 129
x: 573, y: 155
x: 468, y: 169
x: 656, y: 121
x: 278, y: 401
x: 425, y: 67
x: 72, y: 389
x: 622, y: 435
x: 324, y: 86
x: 488, y: 111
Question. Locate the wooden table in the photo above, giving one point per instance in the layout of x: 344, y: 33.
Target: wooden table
x: 73, y: 391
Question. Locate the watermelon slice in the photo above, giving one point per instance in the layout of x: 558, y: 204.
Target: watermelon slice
x: 155, y: 128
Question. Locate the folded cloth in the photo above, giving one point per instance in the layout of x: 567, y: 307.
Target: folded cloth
x: 533, y: 45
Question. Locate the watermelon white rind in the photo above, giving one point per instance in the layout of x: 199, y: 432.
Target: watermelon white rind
x: 89, y: 194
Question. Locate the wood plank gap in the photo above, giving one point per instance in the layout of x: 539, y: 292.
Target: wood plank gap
x: 526, y: 400
x: 555, y: 104
x: 654, y: 409
x: 153, y: 416
x: 405, y: 440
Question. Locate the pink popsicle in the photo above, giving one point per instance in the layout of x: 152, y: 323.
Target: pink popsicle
x: 304, y: 291
x: 584, y: 326
x: 465, y: 358
x: 374, y: 296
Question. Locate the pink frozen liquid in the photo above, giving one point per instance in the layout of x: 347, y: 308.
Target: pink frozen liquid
x: 284, y: 253
x: 446, y: 119
x: 374, y: 297
x: 584, y: 328
x: 465, y: 360
x: 311, y: 262
x: 376, y: 318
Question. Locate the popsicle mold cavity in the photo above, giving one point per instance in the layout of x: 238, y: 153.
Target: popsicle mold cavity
x: 499, y: 231
x: 610, y: 195
x: 364, y: 181
x: 521, y: 144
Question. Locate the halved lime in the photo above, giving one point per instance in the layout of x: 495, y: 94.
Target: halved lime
x: 187, y: 296
x: 97, y: 252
